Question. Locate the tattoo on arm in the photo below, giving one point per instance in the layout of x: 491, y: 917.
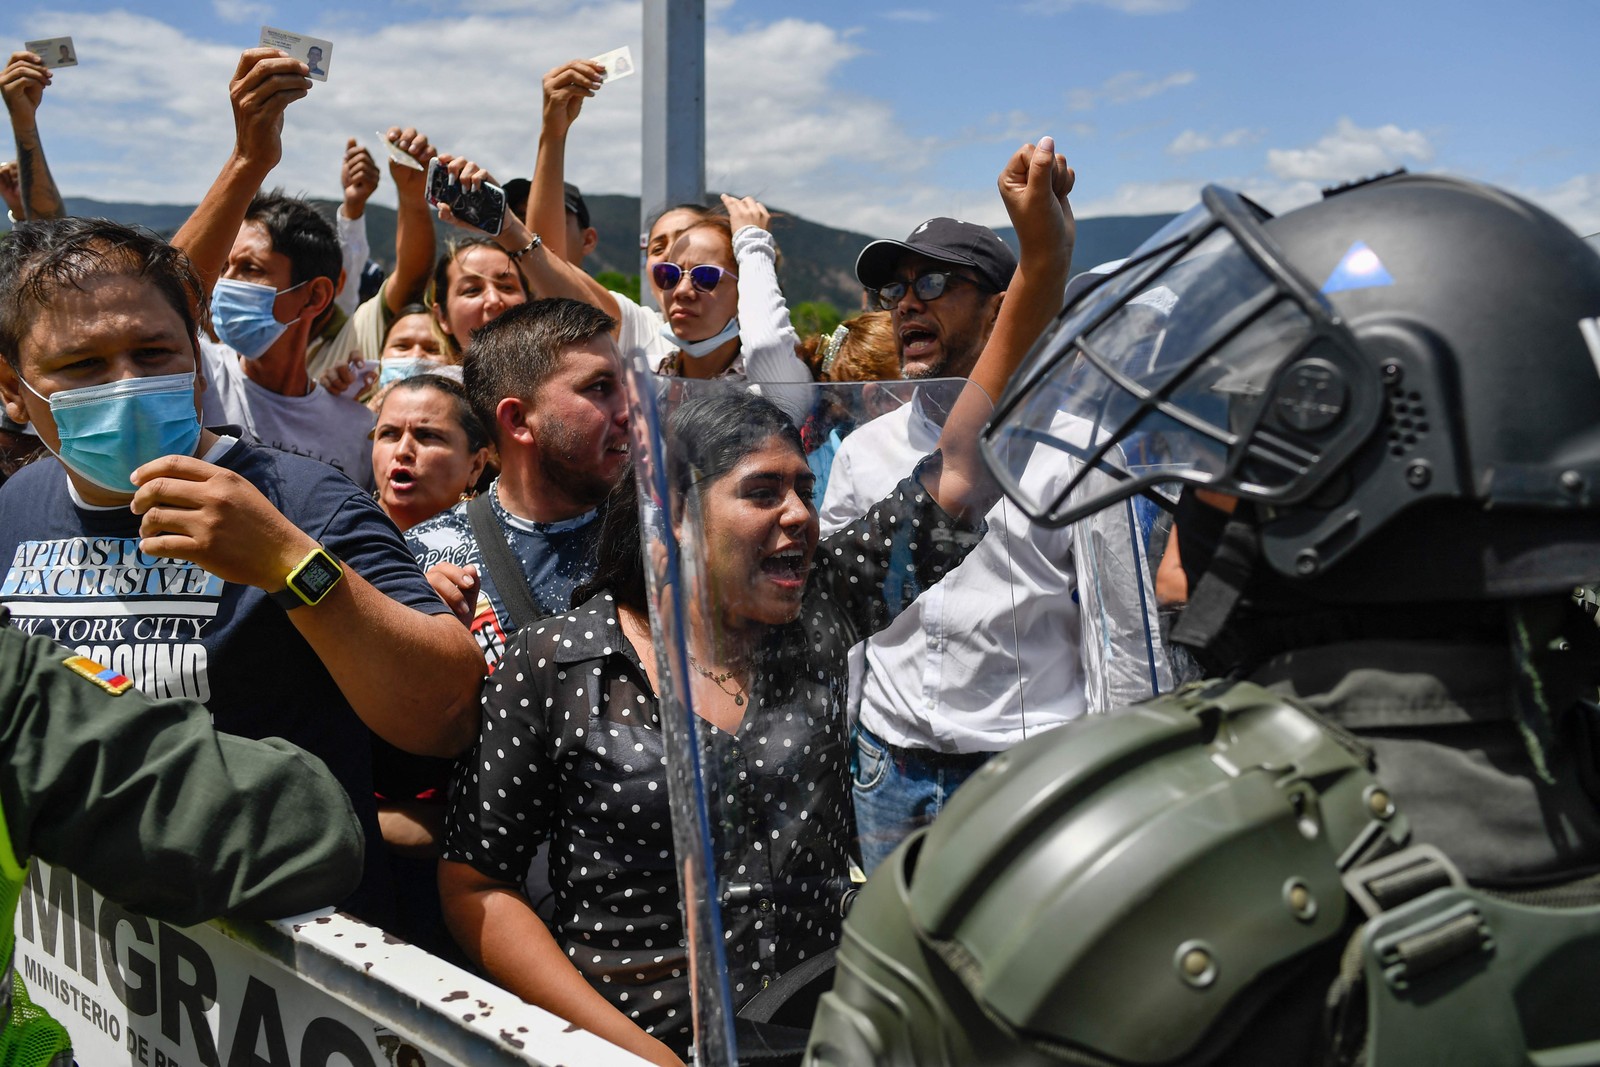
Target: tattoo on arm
x: 40, y: 197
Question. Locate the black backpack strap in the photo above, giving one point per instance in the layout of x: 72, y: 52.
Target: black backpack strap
x: 504, y: 570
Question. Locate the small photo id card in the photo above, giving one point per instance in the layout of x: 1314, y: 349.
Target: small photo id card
x: 315, y: 52
x: 618, y: 62
x: 55, y: 51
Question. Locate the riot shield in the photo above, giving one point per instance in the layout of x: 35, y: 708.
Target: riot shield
x: 784, y: 526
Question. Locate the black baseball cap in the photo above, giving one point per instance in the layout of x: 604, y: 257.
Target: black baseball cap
x: 517, y: 190
x: 948, y: 241
x: 573, y: 198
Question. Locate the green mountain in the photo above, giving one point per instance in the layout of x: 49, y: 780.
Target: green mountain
x: 818, y: 261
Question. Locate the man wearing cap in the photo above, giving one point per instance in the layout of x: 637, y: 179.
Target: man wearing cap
x: 994, y: 653
x: 581, y: 237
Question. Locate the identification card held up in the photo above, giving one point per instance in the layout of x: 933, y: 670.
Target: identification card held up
x: 55, y: 51
x: 618, y: 62
x: 313, y: 51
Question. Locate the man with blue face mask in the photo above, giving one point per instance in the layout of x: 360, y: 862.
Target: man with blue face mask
x: 281, y: 274
x: 272, y: 267
x: 195, y: 563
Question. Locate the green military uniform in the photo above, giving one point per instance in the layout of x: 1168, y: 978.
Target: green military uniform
x: 154, y: 808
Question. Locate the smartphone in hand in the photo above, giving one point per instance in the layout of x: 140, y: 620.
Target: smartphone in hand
x: 484, y: 209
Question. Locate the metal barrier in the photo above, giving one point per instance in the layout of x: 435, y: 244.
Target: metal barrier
x: 319, y: 990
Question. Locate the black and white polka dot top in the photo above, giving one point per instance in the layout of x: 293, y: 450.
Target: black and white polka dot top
x: 571, y: 750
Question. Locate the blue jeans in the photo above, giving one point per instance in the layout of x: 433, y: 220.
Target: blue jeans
x: 898, y: 790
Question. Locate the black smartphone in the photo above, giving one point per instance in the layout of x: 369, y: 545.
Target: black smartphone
x: 484, y: 209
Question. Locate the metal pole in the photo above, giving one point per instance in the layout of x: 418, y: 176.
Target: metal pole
x: 674, y: 113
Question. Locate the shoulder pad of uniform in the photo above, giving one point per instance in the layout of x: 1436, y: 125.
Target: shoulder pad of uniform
x: 1154, y: 863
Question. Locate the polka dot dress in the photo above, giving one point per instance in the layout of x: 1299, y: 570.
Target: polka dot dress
x: 571, y: 750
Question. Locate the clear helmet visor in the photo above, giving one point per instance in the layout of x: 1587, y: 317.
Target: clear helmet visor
x: 1195, y: 363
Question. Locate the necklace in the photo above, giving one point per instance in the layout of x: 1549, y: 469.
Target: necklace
x: 736, y: 693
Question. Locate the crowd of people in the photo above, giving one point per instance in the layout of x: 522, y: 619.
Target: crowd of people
x: 404, y: 525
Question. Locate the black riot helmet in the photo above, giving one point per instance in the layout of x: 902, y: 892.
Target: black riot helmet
x: 1403, y: 379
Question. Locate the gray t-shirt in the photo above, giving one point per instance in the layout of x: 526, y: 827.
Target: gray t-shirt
x: 320, y: 425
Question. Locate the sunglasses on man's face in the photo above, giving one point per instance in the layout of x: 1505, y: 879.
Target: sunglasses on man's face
x: 705, y: 277
x: 929, y: 286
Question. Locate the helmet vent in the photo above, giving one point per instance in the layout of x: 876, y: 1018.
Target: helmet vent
x: 1408, y: 421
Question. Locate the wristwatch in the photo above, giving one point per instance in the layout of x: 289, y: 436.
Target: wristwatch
x: 309, y: 580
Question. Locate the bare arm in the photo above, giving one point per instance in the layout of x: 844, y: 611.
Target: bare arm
x: 546, y: 273
x: 413, y: 222
x: 22, y: 85
x: 565, y: 89
x: 196, y: 511
x: 1172, y: 581
x: 494, y: 925
x: 265, y: 83
x: 1034, y: 186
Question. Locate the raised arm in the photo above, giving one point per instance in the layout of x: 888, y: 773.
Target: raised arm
x: 11, y: 190
x: 358, y: 177
x: 565, y: 89
x: 767, y: 337
x: 413, y: 222
x: 1034, y: 186
x: 22, y: 86
x: 546, y: 273
x: 264, y: 83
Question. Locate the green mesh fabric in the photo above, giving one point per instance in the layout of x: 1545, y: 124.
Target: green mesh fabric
x: 32, y: 1038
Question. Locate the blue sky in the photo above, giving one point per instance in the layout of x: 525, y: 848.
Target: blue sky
x: 873, y: 116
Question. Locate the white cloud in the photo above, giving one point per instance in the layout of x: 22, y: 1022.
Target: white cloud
x: 1350, y: 151
x: 1016, y: 127
x: 1136, y: 198
x: 1575, y: 201
x: 1126, y: 88
x: 1190, y: 142
x: 909, y: 14
x: 1180, y: 194
x: 1127, y: 7
x: 780, y: 124
x: 241, y: 10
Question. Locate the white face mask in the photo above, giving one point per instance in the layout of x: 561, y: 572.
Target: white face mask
x: 709, y: 345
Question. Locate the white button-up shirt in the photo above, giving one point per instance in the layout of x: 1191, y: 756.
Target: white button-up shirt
x: 1000, y: 649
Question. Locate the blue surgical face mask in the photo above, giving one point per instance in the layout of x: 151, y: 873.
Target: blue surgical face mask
x: 709, y: 345
x: 109, y: 431
x: 242, y: 315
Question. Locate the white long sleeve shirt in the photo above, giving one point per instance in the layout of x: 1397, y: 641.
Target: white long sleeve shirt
x: 1000, y: 650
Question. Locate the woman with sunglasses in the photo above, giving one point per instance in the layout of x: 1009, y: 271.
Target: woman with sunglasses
x: 723, y: 320
x: 748, y: 254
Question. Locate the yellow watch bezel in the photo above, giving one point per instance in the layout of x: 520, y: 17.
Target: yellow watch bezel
x: 299, y: 568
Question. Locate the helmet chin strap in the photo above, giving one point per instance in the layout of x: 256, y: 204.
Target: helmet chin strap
x: 1216, y: 594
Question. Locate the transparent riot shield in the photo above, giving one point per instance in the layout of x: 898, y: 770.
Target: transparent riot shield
x: 783, y: 527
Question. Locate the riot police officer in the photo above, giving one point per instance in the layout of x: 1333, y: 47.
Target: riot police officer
x: 1374, y: 835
